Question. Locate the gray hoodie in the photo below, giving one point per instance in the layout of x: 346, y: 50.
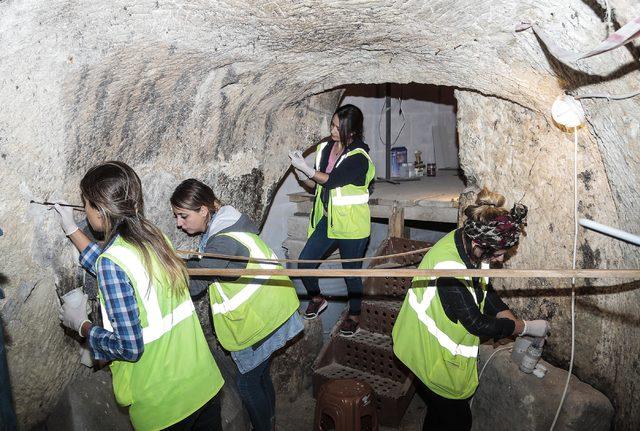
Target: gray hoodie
x: 227, y: 219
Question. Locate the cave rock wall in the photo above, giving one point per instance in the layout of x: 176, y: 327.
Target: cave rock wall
x: 222, y: 90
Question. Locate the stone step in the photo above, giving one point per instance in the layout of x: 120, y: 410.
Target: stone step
x: 297, y: 227
x: 304, y: 207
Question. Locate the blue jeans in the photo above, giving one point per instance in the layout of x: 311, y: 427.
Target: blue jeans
x: 317, y: 247
x: 258, y: 396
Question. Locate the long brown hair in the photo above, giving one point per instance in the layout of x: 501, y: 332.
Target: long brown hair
x: 192, y: 194
x: 115, y: 190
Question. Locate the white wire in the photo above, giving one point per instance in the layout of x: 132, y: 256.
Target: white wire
x: 485, y: 366
x: 573, y: 280
x: 608, y: 16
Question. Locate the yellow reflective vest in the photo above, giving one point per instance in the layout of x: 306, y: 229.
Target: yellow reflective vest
x: 250, y: 308
x: 176, y: 374
x: 441, y: 353
x: 348, y: 214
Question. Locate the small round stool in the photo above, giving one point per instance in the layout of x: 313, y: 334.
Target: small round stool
x: 349, y: 404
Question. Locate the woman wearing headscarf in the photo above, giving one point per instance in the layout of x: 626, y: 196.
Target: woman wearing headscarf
x: 438, y: 329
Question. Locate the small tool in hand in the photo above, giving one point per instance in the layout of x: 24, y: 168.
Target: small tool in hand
x: 77, y: 207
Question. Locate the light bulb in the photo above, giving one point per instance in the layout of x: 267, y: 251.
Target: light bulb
x: 567, y: 112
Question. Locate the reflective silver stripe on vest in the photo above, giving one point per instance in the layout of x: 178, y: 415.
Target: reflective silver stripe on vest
x: 421, y: 310
x: 357, y: 150
x: 157, y: 325
x: 230, y: 304
x: 339, y: 200
x: 319, y: 154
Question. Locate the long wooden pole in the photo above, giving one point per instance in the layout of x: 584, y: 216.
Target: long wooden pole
x: 413, y: 272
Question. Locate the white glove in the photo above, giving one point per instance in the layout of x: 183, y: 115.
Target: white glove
x: 535, y: 328
x: 66, y: 220
x: 300, y: 176
x: 74, y: 316
x: 298, y: 162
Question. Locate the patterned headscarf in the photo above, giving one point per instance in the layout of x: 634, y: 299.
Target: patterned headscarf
x: 502, y: 232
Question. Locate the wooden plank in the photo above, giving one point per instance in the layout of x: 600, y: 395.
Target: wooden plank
x: 435, y: 214
x: 300, y: 197
x: 430, y: 199
x: 396, y: 221
x: 414, y: 272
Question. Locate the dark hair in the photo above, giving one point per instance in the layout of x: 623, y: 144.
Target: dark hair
x: 192, y: 194
x: 350, y: 121
x: 115, y: 190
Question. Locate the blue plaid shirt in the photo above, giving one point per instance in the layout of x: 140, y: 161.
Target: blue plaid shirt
x: 125, y: 342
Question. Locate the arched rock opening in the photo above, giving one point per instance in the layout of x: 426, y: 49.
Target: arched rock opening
x: 222, y: 91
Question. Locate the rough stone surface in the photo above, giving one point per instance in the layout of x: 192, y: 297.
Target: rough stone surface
x: 525, y: 157
x: 223, y: 90
x: 291, y: 367
x: 508, y: 399
x: 88, y: 404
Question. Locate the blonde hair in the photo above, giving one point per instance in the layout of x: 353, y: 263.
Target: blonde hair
x: 489, y: 205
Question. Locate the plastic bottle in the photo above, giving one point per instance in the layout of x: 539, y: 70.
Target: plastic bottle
x: 520, y: 349
x: 530, y: 359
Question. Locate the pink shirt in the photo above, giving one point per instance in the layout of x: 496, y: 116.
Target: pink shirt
x: 332, y: 162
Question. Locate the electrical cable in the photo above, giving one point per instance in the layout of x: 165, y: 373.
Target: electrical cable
x: 380, y: 122
x: 573, y: 280
x: 404, y: 120
x: 485, y: 366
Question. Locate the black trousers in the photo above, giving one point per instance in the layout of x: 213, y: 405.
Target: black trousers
x: 206, y: 418
x: 444, y: 413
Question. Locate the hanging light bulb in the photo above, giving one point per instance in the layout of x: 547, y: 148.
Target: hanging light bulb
x: 567, y: 111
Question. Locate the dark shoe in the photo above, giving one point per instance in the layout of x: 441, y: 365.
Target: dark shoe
x: 315, y: 308
x: 349, y: 327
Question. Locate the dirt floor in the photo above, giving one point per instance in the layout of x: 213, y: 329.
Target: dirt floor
x: 298, y: 415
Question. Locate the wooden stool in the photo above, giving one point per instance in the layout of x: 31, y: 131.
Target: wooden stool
x: 349, y: 403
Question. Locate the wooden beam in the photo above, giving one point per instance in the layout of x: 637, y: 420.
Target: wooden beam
x: 414, y: 272
x: 396, y: 221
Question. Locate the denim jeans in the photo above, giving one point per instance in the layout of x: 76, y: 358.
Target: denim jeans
x: 317, y: 247
x: 258, y: 396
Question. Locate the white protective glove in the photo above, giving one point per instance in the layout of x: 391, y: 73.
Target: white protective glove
x: 66, y: 220
x: 298, y: 162
x: 74, y: 316
x: 536, y: 328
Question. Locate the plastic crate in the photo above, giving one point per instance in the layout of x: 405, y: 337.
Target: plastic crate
x: 368, y: 355
x: 394, y: 286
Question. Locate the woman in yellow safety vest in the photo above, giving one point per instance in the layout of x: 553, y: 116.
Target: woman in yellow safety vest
x: 160, y: 362
x: 437, y: 332
x: 253, y: 316
x: 340, y: 216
